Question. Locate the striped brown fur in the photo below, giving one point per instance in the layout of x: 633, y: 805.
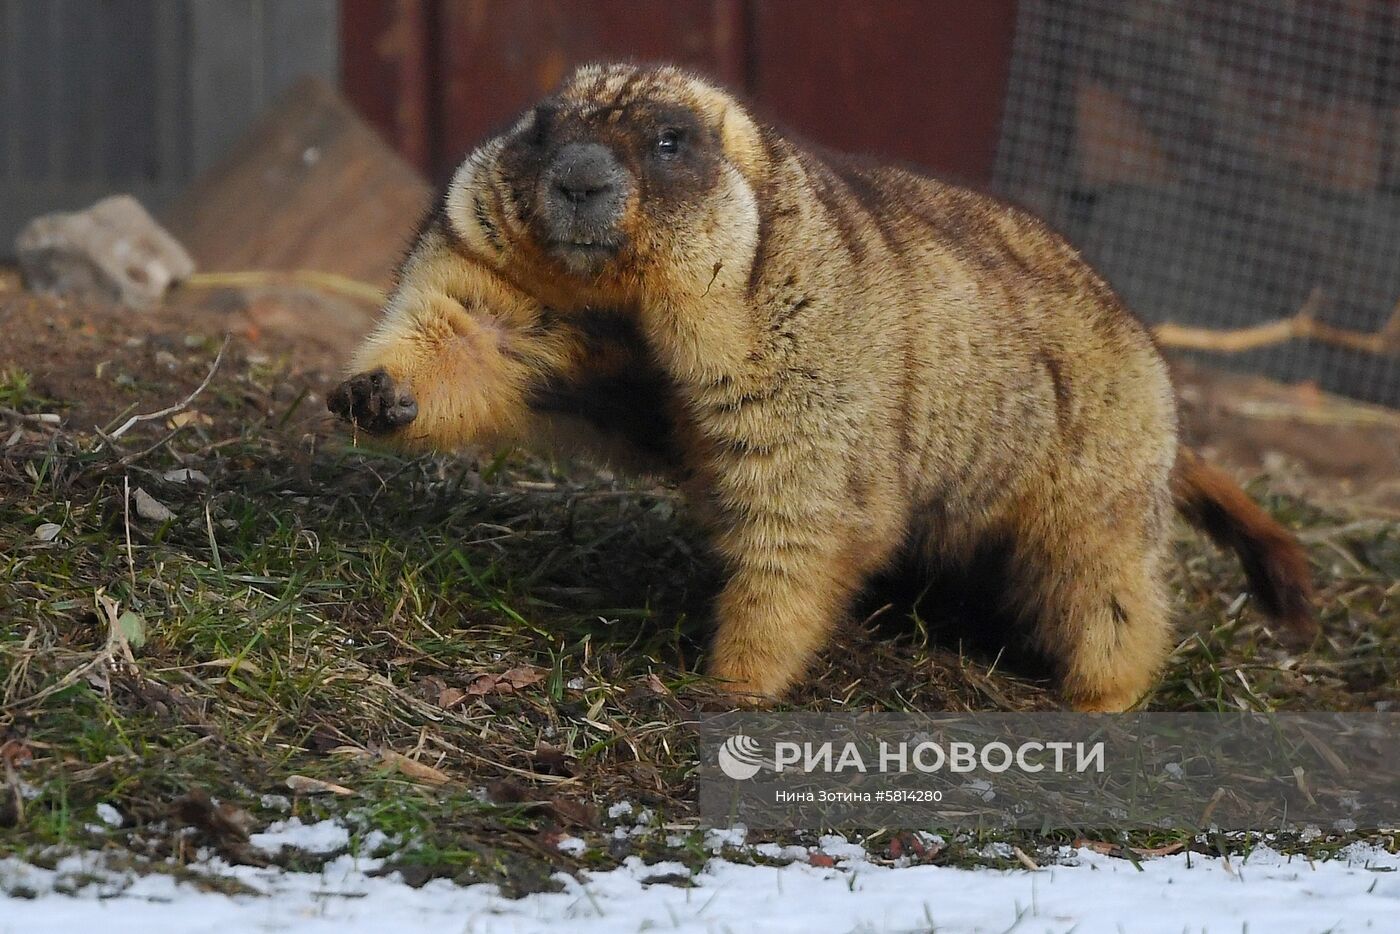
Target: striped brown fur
x: 842, y: 358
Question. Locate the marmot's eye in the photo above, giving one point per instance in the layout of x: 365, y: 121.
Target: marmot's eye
x: 668, y: 143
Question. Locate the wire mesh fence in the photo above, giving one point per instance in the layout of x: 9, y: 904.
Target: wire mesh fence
x: 1224, y: 163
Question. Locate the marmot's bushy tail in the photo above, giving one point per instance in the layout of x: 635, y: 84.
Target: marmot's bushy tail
x: 1274, y: 561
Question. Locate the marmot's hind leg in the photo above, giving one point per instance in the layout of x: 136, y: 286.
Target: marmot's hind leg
x: 1098, y: 606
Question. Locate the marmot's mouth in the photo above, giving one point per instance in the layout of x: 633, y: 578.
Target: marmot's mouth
x: 584, y: 247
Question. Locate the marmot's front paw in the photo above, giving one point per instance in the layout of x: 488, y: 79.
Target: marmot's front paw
x: 372, y: 402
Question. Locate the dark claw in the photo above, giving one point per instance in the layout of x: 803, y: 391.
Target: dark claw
x: 373, y: 403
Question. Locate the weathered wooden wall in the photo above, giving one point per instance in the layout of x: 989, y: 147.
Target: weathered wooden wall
x: 139, y: 95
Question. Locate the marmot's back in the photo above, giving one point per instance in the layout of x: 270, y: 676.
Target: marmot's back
x: 973, y: 332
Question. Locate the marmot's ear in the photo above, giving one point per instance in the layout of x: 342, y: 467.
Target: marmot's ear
x: 743, y: 143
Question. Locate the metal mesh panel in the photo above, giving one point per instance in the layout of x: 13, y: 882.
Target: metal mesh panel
x: 1223, y: 162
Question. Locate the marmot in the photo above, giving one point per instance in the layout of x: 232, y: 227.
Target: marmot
x: 843, y: 363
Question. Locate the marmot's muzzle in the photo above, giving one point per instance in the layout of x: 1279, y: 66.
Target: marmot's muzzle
x: 584, y: 191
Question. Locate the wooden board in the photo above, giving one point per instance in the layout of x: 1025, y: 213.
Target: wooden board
x: 311, y: 186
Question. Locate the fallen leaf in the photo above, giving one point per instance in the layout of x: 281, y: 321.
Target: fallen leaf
x: 481, y: 685
x: 304, y: 785
x: 190, y: 417
x: 132, y: 628
x: 148, y: 507
x: 125, y: 630
x: 655, y: 686
x: 412, y: 768
x: 522, y: 677
x: 821, y: 860
x: 506, y: 683
x: 907, y: 842
x: 185, y: 475
x: 48, y: 531
x: 449, y: 697
x: 1102, y: 847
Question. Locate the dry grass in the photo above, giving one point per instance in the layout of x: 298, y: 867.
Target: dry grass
x: 482, y: 654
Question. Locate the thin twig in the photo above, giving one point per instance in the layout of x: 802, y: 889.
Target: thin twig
x: 1336, y: 412
x: 1302, y: 325
x: 178, y: 407
x: 46, y: 420
x: 126, y: 519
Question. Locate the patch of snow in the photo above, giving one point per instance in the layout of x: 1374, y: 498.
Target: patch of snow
x: 838, y: 847
x: 321, y: 837
x: 716, y: 839
x: 619, y: 809
x: 1092, y: 893
x: 109, y: 815
x: 572, y: 846
x: 774, y: 851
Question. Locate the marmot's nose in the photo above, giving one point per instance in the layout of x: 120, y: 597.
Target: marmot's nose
x: 584, y: 172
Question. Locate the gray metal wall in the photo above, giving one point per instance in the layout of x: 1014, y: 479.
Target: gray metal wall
x: 100, y: 96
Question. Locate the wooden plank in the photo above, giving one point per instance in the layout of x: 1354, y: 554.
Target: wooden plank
x: 311, y: 186
x: 384, y: 70
x: 497, y: 56
x: 921, y: 82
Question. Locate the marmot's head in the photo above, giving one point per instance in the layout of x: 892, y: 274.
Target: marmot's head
x: 623, y: 170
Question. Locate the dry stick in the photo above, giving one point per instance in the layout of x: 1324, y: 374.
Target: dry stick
x: 45, y: 420
x: 326, y: 281
x: 126, y: 520
x: 1302, y: 325
x: 171, y: 410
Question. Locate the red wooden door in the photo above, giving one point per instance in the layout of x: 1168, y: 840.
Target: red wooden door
x: 499, y: 56
x: 920, y: 81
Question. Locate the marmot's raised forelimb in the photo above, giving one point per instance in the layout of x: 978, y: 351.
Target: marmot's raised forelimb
x: 844, y: 364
